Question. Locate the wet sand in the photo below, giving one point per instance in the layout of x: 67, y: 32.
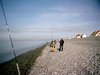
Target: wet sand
x: 79, y: 57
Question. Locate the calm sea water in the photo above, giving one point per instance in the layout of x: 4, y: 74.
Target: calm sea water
x: 20, y: 47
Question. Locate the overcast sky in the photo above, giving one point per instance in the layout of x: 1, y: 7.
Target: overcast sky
x: 43, y: 19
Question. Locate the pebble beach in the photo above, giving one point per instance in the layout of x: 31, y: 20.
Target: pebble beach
x: 79, y: 57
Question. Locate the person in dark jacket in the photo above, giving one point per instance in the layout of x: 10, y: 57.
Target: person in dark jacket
x: 61, y: 45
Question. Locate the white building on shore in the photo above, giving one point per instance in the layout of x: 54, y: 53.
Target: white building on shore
x: 79, y: 36
x: 84, y: 36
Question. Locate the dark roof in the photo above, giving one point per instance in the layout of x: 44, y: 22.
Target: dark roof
x: 78, y: 35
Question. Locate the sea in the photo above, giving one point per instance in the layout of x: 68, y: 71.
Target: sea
x: 20, y: 47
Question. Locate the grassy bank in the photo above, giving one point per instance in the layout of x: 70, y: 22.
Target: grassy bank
x: 25, y: 61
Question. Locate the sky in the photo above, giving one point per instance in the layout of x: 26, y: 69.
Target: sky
x: 49, y: 19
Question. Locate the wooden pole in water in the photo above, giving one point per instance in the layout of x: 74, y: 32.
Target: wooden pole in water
x: 10, y: 38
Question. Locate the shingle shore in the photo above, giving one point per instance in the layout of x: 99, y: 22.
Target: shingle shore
x: 79, y: 57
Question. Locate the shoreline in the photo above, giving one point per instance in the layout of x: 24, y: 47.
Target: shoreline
x: 78, y: 57
x: 25, y: 60
x: 19, y: 50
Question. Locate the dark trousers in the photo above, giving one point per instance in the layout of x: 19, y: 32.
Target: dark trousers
x: 61, y: 48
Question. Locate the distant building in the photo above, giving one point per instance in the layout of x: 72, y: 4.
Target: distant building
x: 73, y: 36
x: 79, y: 36
x: 84, y: 36
x: 96, y: 33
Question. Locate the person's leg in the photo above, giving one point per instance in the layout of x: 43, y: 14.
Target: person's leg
x: 60, y: 48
